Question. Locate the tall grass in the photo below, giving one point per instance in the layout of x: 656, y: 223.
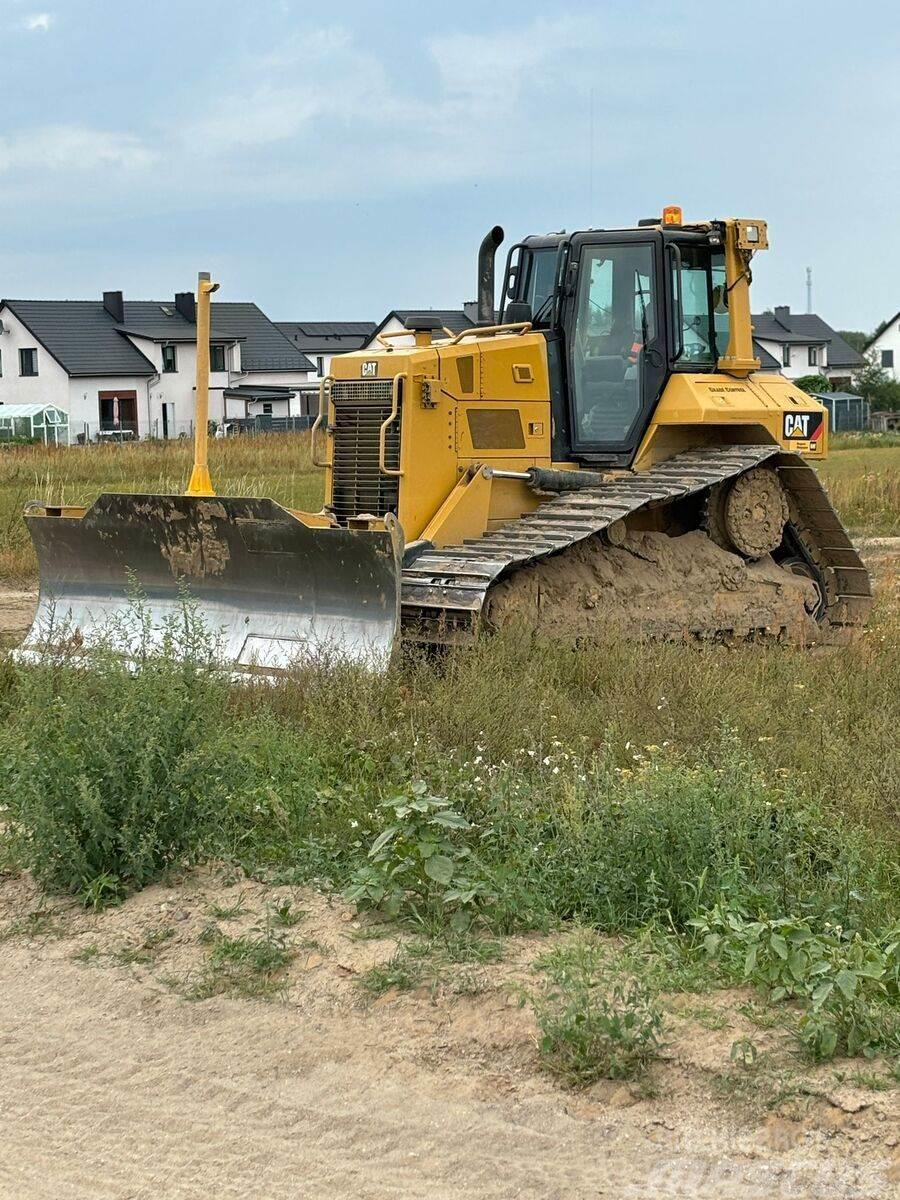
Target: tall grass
x: 864, y: 483
x: 279, y: 466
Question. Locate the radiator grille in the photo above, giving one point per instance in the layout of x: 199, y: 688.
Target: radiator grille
x: 360, y: 408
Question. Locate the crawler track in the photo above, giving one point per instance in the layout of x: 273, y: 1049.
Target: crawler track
x: 444, y: 591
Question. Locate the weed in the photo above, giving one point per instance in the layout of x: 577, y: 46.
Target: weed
x: 402, y: 971
x: 848, y: 983
x: 41, y: 922
x: 419, y: 866
x: 227, y: 912
x: 251, y: 966
x: 283, y: 914
x: 592, y: 1027
x: 101, y: 772
x: 87, y: 954
x: 144, y: 951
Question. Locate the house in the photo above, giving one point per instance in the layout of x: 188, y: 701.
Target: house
x: 321, y: 340
x: 454, y: 320
x: 803, y: 344
x: 127, y: 368
x: 885, y: 345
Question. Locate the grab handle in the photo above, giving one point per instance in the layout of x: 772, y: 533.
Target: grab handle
x: 382, y: 433
x: 324, y: 392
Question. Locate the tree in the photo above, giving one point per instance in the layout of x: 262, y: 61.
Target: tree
x: 876, y: 385
x: 855, y: 338
x: 813, y: 384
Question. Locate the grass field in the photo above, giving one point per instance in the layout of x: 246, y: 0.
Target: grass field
x: 734, y: 814
x: 864, y: 483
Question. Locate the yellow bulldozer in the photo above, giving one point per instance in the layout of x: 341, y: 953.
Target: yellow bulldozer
x: 602, y: 455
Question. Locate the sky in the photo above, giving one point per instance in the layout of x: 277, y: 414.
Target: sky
x: 334, y: 161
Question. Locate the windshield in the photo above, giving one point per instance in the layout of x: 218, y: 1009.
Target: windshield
x: 704, y: 305
x: 614, y: 320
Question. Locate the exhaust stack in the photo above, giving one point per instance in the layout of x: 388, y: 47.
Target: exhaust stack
x: 486, y: 252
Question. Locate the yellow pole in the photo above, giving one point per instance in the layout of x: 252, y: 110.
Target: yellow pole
x: 201, y: 484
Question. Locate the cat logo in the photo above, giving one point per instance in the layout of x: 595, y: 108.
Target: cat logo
x: 370, y: 369
x: 802, y: 426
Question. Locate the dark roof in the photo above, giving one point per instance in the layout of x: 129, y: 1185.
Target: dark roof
x: 453, y: 319
x: 81, y: 336
x: 767, y: 361
x: 806, y: 329
x: 327, y: 336
x: 85, y: 340
x: 265, y: 347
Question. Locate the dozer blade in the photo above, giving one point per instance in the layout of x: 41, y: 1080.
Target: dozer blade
x: 271, y: 590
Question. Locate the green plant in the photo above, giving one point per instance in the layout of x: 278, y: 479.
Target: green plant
x: 282, y: 913
x: 143, y: 951
x: 107, y: 776
x: 402, y: 971
x: 813, y: 383
x: 593, y: 1027
x: 419, y: 866
x: 227, y: 912
x: 847, y: 982
x: 252, y: 966
x: 87, y: 954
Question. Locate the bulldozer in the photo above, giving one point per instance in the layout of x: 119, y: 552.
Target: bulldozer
x: 601, y: 454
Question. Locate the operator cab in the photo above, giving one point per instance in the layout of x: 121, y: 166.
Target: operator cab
x: 622, y: 310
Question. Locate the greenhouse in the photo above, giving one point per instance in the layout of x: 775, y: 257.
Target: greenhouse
x: 34, y: 422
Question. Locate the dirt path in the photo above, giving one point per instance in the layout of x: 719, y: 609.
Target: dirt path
x: 116, y: 1086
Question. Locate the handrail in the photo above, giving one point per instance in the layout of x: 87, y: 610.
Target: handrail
x: 477, y: 331
x: 324, y: 387
x: 382, y: 433
x: 393, y: 333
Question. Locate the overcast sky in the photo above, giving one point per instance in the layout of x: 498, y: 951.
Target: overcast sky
x: 337, y: 160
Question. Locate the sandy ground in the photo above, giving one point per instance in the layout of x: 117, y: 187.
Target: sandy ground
x: 115, y: 1085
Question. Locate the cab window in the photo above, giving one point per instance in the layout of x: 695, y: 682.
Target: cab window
x: 614, y: 321
x: 704, y: 301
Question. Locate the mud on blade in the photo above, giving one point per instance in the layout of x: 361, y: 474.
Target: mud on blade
x: 272, y: 589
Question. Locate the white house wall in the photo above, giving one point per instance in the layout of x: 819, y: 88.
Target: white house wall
x: 49, y: 386
x: 889, y: 339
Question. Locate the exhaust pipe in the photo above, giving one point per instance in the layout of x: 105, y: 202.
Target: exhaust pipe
x: 486, y: 252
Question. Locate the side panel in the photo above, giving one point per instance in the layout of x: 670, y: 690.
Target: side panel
x: 705, y: 410
x: 479, y: 402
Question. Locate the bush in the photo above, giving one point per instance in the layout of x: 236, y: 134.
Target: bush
x: 110, y: 775
x: 847, y: 984
x: 590, y: 1027
x: 813, y: 384
x: 418, y: 865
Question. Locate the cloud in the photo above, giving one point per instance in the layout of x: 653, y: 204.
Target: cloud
x: 72, y: 148
x: 38, y: 22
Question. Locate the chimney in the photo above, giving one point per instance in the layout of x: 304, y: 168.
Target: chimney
x: 114, y: 304
x: 783, y: 315
x: 185, y: 304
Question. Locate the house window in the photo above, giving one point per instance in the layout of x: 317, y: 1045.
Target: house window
x: 320, y: 365
x: 267, y: 408
x: 170, y: 359
x: 28, y: 362
x: 887, y: 359
x: 217, y: 358
x: 785, y: 356
x: 814, y: 356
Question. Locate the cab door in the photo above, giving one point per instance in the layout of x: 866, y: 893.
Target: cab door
x: 616, y: 347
